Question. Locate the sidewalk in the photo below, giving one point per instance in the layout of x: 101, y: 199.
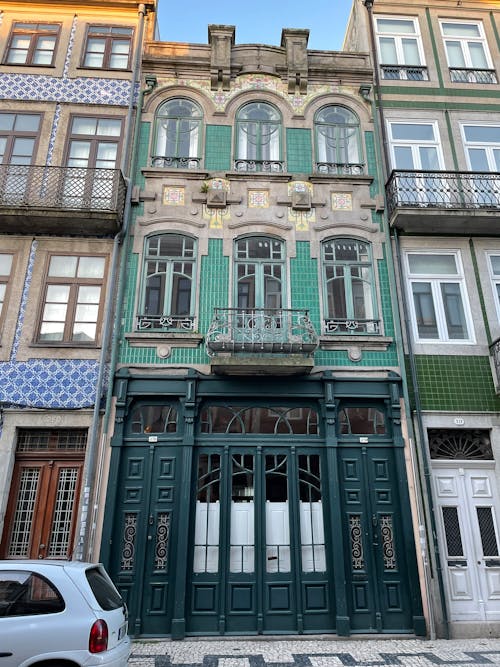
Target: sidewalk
x: 314, y: 651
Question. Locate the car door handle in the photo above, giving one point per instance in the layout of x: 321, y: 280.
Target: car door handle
x: 5, y: 655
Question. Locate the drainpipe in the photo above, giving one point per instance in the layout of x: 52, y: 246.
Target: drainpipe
x: 417, y: 461
x: 95, y: 453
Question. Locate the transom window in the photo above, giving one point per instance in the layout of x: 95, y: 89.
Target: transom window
x: 348, y: 284
x: 72, y: 300
x: 460, y: 443
x: 271, y: 421
x: 6, y: 262
x: 154, y: 419
x: 32, y: 44
x: 361, y: 420
x: 337, y: 141
x: 168, y: 280
x: 108, y: 47
x: 400, y: 48
x: 178, y: 134
x: 467, y: 52
x: 438, y: 298
x: 258, y: 138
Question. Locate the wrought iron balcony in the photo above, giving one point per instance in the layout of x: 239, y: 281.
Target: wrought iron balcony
x: 347, y: 169
x: 472, y: 75
x: 495, y: 355
x: 55, y: 199
x: 160, y: 323
x: 417, y: 200
x: 172, y: 162
x: 262, y: 331
x: 254, y: 166
x: 405, y: 72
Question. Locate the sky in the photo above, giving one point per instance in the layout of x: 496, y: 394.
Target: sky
x: 256, y: 21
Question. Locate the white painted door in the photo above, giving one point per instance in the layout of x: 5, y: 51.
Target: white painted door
x: 467, y: 512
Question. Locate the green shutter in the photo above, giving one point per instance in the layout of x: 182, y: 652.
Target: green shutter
x: 298, y: 151
x: 218, y: 148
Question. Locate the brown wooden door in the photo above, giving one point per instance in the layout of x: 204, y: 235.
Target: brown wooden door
x: 41, y: 512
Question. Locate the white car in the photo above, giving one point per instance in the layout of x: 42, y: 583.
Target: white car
x: 60, y: 614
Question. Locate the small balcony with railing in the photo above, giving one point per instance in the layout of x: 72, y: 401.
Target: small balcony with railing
x: 443, y: 201
x: 176, y: 162
x: 259, y: 166
x: 404, y: 73
x: 473, y: 75
x: 261, y: 341
x: 55, y: 200
x: 495, y: 359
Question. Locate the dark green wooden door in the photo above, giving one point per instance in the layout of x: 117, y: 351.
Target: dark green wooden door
x: 144, y: 526
x: 259, y: 552
x: 379, y: 574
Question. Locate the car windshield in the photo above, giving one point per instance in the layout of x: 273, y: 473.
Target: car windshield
x: 103, y: 589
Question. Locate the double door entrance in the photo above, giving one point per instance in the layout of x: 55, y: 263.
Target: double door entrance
x: 262, y: 538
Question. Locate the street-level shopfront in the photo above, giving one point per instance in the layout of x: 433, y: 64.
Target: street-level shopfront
x: 238, y: 506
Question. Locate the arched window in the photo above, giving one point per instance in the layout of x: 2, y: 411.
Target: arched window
x: 349, y: 293
x: 178, y: 135
x: 258, y: 138
x: 337, y: 141
x: 168, y: 279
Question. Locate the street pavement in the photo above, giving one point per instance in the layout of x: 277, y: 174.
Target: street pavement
x: 314, y: 651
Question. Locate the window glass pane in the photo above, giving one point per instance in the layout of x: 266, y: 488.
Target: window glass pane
x: 26, y: 122
x: 62, y: 266
x: 482, y: 133
x: 403, y: 157
x: 410, y: 51
x: 7, y: 121
x: 454, y: 311
x: 478, y: 159
x: 420, y: 132
x: 396, y: 26
x: 431, y: 263
x: 477, y: 55
x: 456, y: 56
x: 429, y: 158
x: 89, y: 294
x: 57, y: 294
x: 424, y: 310
x: 495, y: 264
x: 84, y: 332
x: 5, y: 264
x: 84, y: 125
x: 91, y: 267
x: 388, y: 52
x: 51, y: 331
x: 110, y: 127
x: 461, y: 29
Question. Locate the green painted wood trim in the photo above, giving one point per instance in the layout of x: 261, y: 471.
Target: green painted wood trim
x: 451, y: 140
x: 480, y: 290
x: 434, y: 47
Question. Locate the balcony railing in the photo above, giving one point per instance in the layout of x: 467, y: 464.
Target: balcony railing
x: 171, y: 162
x: 171, y: 323
x: 495, y: 355
x: 75, y: 188
x: 443, y: 189
x: 259, y: 165
x: 356, y: 327
x: 339, y: 169
x: 261, y: 330
x: 472, y: 75
x: 405, y: 72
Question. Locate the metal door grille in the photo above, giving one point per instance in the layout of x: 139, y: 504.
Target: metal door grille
x: 487, y: 531
x: 452, y: 531
x: 24, y: 513
x: 63, y: 511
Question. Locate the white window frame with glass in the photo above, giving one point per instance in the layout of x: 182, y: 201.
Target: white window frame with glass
x: 169, y: 279
x: 415, y: 146
x: 482, y: 150
x: 19, y: 134
x: 493, y: 262
x: 178, y: 134
x: 72, y: 300
x: 338, y: 144
x: 467, y: 51
x: 32, y: 44
x: 258, y: 139
x: 108, y: 47
x: 400, y: 48
x: 349, y: 287
x: 437, y: 297
x: 92, y: 155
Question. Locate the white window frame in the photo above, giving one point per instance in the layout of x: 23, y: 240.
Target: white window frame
x: 414, y: 144
x: 464, y: 42
x: 487, y: 145
x: 397, y: 36
x: 435, y: 281
x: 494, y: 279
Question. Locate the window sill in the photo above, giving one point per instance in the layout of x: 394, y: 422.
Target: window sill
x: 104, y: 69
x: 164, y: 341
x: 355, y: 345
